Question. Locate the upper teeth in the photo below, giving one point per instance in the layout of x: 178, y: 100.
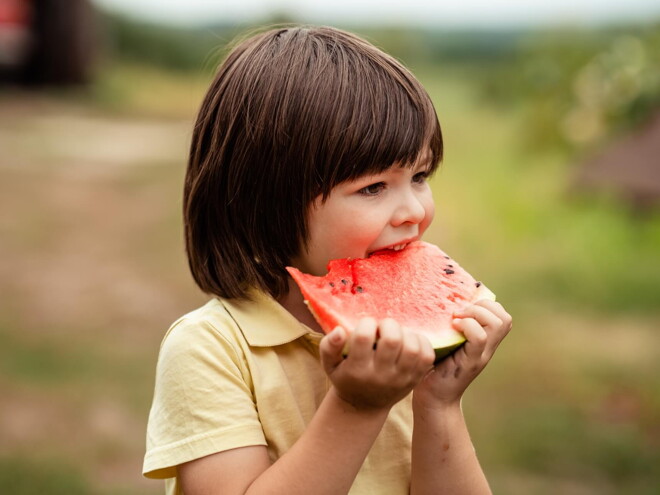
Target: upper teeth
x: 398, y: 247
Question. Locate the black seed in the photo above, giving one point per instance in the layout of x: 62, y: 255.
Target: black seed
x: 448, y: 271
x: 332, y: 284
x: 447, y: 258
x: 344, y: 281
x: 478, y: 284
x: 359, y: 289
x: 450, y: 265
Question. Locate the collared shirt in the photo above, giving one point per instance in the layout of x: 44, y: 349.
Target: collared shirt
x: 240, y: 373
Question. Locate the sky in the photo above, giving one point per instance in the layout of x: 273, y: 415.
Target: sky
x: 454, y: 13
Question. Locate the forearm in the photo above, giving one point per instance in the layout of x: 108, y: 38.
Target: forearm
x: 328, y: 456
x: 443, y: 457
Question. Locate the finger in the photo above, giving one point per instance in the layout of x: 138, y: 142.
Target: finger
x: 361, y: 341
x: 498, y: 310
x: 485, y: 317
x: 331, y: 349
x: 409, y: 357
x: 426, y: 354
x: 389, y: 342
x: 499, y: 332
x: 475, y: 334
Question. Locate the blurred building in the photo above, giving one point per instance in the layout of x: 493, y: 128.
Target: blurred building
x: 628, y: 168
x: 47, y: 42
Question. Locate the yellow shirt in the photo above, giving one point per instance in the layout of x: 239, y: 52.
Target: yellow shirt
x: 233, y: 374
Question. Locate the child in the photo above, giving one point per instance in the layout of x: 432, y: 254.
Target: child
x: 310, y: 145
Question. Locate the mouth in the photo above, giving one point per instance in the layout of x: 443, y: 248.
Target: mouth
x: 398, y: 247
x: 394, y: 247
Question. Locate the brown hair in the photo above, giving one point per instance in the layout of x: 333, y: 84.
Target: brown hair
x: 291, y: 113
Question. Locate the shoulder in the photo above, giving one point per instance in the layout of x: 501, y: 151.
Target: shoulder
x: 203, y: 399
x: 213, y: 317
x: 207, y: 333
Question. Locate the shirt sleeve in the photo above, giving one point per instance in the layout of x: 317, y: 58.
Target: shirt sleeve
x: 203, y: 399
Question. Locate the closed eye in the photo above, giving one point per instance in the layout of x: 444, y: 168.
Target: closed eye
x: 372, y: 189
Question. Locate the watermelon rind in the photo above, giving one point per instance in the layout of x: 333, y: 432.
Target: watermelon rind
x: 445, y: 350
x: 445, y: 347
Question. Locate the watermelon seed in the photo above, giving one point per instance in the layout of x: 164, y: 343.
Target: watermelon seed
x: 344, y: 281
x: 450, y: 265
x: 448, y: 271
x: 359, y: 289
x: 478, y: 284
x: 332, y: 284
x: 447, y: 258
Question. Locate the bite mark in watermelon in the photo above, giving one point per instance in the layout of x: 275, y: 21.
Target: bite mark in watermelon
x: 420, y: 287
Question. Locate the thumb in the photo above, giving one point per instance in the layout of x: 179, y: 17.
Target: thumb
x: 331, y: 348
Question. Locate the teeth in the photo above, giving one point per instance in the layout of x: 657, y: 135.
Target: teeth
x: 398, y: 247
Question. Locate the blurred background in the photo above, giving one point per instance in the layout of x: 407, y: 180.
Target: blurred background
x: 549, y: 192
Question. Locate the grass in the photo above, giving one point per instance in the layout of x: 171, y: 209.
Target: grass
x: 133, y: 89
x: 94, y: 272
x: 27, y: 476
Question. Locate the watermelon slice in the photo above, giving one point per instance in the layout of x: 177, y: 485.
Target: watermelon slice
x: 419, y: 286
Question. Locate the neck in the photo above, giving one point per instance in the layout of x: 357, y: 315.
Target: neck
x: 294, y: 303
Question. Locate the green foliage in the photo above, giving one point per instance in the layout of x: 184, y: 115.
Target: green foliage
x: 424, y: 46
x: 180, y: 49
x: 539, y: 239
x: 578, y: 88
x: 194, y: 49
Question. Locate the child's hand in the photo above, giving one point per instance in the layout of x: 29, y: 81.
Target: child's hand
x: 484, y: 325
x: 375, y: 376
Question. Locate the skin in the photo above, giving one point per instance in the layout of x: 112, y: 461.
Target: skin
x: 358, y: 218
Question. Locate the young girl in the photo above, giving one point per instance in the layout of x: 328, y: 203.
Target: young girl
x: 310, y: 145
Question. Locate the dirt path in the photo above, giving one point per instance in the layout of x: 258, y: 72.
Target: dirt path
x: 91, y: 273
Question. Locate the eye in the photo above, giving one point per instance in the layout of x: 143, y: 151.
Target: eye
x: 373, y: 189
x: 420, y: 177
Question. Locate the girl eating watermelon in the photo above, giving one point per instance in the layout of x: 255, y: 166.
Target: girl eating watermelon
x: 311, y: 145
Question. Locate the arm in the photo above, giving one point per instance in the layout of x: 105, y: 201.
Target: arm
x: 328, y: 456
x: 325, y: 460
x: 443, y: 457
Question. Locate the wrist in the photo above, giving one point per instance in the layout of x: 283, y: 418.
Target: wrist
x: 423, y: 402
x: 348, y: 406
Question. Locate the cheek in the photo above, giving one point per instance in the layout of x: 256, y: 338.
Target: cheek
x: 354, y: 236
x: 362, y: 230
x: 429, y: 207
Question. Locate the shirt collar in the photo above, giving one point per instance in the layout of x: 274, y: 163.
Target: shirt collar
x: 263, y: 321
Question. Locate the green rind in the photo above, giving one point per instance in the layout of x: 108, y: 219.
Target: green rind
x: 443, y: 352
x: 446, y: 346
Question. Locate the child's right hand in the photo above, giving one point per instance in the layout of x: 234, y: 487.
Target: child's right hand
x: 372, y: 377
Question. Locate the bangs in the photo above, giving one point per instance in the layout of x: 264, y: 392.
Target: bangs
x: 376, y: 114
x: 333, y: 107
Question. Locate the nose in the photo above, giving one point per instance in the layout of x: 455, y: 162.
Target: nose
x: 410, y: 209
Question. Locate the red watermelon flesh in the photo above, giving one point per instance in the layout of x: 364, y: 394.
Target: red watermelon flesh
x: 419, y: 286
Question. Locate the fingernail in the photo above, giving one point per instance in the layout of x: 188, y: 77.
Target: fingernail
x: 335, y: 336
x: 456, y: 321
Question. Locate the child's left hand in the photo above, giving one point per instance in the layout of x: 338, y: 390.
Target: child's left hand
x: 484, y: 325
